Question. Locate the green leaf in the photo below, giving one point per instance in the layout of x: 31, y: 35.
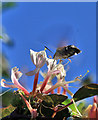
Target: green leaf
x: 1, y: 37
x: 5, y: 74
x: 72, y: 107
x: 67, y: 102
x: 7, y: 98
x: 81, y: 107
x: 6, y: 5
x: 86, y: 91
x: 6, y: 111
x: 47, y: 112
x: 53, y: 100
x: 44, y: 111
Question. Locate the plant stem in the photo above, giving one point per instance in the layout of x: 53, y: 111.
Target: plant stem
x: 76, y: 108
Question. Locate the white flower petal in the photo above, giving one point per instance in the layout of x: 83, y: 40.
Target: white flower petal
x: 15, y: 74
x: 33, y: 56
x: 51, y: 63
x: 39, y: 59
x: 3, y: 84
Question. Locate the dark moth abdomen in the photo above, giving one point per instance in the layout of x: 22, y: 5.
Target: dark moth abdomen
x: 66, y: 52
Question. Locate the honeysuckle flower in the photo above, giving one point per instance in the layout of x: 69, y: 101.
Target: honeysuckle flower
x: 47, y: 78
x: 53, y: 87
x: 38, y: 59
x: 15, y: 75
x: 60, y: 76
x: 35, y: 82
x: 64, y: 91
x: 3, y: 84
x: 63, y: 84
x: 91, y: 111
x: 44, y: 74
x: 51, y: 64
x: 53, y: 70
x: 48, y: 85
x: 62, y: 73
x: 32, y: 111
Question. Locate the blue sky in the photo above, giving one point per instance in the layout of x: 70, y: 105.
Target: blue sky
x: 33, y: 25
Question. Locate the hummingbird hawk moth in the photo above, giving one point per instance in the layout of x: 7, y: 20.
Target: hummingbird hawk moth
x: 66, y: 52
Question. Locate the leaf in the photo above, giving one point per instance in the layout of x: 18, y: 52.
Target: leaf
x: 1, y: 37
x: 47, y: 112
x: 5, y: 74
x: 72, y: 107
x: 44, y: 111
x: 81, y: 107
x: 7, y: 98
x: 86, y: 91
x: 7, y: 5
x: 6, y: 111
x: 53, y: 100
x: 67, y: 102
x: 73, y: 110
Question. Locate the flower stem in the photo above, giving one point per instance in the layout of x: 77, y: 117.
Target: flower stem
x: 32, y: 111
x: 45, y: 82
x: 53, y: 87
x: 35, y: 82
x: 76, y: 108
x: 59, y: 90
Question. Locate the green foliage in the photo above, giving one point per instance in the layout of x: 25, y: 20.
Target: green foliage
x: 86, y: 91
x: 1, y: 37
x: 53, y: 100
x: 7, y: 5
x: 73, y: 110
x: 81, y: 107
x: 48, y: 112
x: 5, y: 74
x: 72, y: 107
x: 6, y: 111
x: 17, y: 100
x: 7, y: 98
x: 19, y: 103
x: 50, y: 102
x: 4, y: 66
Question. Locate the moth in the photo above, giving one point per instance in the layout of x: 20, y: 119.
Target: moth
x: 66, y: 52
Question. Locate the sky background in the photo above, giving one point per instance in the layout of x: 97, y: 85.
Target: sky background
x: 35, y: 25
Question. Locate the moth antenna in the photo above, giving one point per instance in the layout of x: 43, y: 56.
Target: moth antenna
x: 48, y: 49
x: 85, y: 74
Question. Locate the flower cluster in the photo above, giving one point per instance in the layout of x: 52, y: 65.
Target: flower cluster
x: 46, y: 87
x: 92, y: 110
